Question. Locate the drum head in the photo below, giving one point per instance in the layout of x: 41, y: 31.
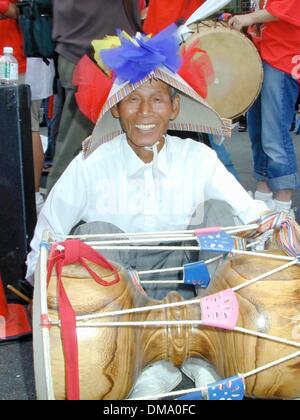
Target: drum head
x: 237, y: 65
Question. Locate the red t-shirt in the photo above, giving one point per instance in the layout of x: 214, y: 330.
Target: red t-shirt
x: 162, y: 13
x: 279, y: 42
x: 11, y: 36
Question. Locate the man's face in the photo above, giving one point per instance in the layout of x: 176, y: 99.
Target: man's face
x: 145, y: 114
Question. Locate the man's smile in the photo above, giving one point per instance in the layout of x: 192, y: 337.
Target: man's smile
x: 145, y: 127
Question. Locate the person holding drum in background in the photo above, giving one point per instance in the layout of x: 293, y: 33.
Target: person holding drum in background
x: 275, y: 29
x: 162, y: 13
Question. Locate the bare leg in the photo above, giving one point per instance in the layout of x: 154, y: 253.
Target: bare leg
x: 38, y: 158
x: 262, y: 187
x: 284, y: 195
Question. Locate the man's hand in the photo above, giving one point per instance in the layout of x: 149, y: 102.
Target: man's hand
x: 239, y: 22
x: 12, y: 12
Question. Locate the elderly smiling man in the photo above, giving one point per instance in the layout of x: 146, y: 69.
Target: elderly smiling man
x: 134, y: 177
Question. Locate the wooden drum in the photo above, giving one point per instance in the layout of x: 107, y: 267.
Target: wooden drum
x: 237, y: 65
x: 110, y: 358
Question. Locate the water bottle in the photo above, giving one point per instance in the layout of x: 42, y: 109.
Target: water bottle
x: 9, y: 72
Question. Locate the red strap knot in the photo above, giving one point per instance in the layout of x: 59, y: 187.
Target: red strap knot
x: 72, y: 251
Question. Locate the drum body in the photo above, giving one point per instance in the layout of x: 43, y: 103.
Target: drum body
x: 111, y: 358
x: 237, y: 66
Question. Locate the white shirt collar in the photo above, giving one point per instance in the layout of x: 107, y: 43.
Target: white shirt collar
x: 132, y: 163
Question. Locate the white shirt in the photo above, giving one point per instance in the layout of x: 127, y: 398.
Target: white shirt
x: 114, y: 185
x: 40, y: 76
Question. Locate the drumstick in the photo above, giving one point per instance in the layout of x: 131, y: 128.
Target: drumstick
x: 18, y: 293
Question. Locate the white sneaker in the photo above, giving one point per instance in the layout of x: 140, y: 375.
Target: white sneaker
x: 159, y: 378
x: 200, y: 372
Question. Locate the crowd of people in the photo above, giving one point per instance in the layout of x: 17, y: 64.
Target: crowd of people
x: 132, y: 182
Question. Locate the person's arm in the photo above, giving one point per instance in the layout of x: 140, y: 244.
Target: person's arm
x: 239, y: 22
x: 222, y: 185
x: 285, y: 10
x: 63, y: 209
x: 9, y: 9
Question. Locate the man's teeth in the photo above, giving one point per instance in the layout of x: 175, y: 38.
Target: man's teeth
x: 145, y: 126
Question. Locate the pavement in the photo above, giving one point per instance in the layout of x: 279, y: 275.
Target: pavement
x: 16, y: 363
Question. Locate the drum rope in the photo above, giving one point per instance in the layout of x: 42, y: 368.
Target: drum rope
x: 265, y: 275
x: 203, y: 389
x: 235, y: 229
x: 177, y: 304
x: 171, y: 269
x: 134, y: 310
x: 157, y: 237
x: 277, y: 362
x: 161, y: 282
x: 178, y: 323
x: 267, y: 337
x: 185, y: 323
x: 191, y: 248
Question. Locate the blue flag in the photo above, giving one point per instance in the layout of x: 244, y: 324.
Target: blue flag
x: 196, y: 274
x: 227, y: 389
x: 216, y: 242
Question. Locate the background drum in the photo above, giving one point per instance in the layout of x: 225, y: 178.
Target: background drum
x: 237, y: 66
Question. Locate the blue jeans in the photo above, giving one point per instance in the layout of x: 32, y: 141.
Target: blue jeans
x: 224, y: 157
x: 269, y: 122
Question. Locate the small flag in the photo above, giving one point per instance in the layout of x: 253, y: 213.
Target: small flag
x: 216, y: 242
x: 196, y: 274
x: 228, y: 389
x: 220, y: 310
